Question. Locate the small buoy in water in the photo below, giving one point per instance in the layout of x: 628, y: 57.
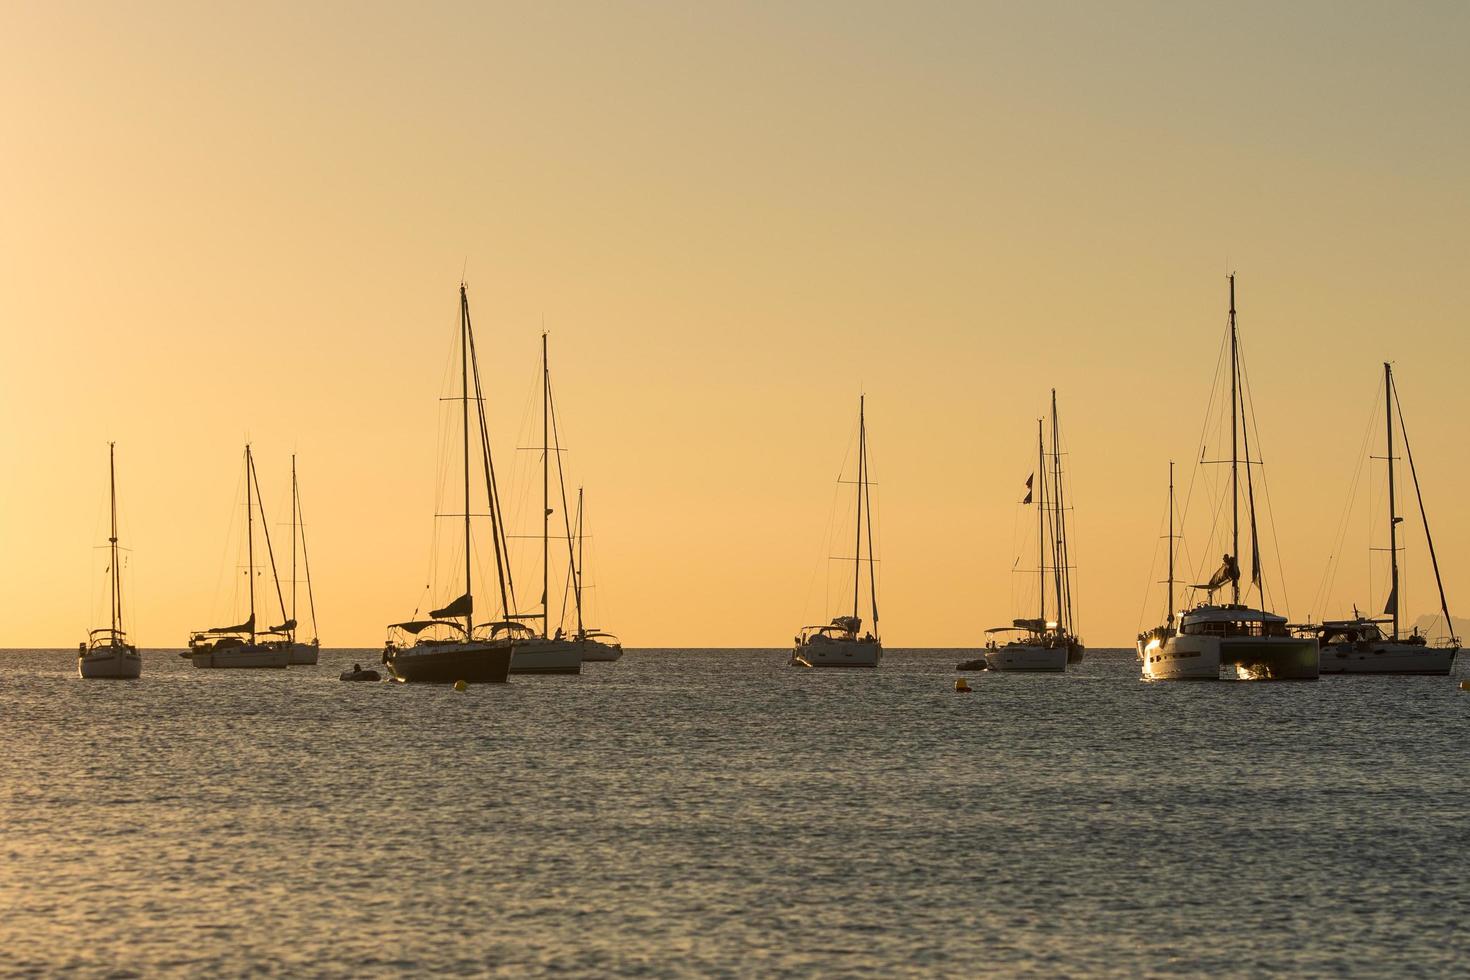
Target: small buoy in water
x: 961, y: 685
x: 1465, y: 685
x: 460, y: 685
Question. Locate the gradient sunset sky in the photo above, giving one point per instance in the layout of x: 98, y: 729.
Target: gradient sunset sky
x: 232, y: 221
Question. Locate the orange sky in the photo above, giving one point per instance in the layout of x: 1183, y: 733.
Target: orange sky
x: 221, y: 223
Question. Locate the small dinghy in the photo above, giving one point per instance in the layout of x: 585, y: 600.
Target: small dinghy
x: 358, y: 674
x: 977, y: 664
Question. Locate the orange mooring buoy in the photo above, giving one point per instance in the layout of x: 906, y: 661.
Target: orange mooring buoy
x: 961, y: 685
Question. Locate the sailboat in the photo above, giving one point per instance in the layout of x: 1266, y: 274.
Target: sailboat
x: 1211, y: 636
x: 838, y: 644
x: 107, y: 652
x: 245, y: 645
x: 1046, y: 645
x: 1360, y: 645
x: 546, y: 652
x: 598, y: 646
x: 448, y: 646
x: 306, y: 653
x: 1179, y: 664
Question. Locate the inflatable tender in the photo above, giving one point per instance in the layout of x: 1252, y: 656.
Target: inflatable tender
x: 977, y: 664
x: 358, y: 674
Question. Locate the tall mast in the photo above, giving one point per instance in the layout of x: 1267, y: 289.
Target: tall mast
x: 250, y: 543
x: 1393, y: 516
x: 292, y: 634
x: 545, y: 491
x: 857, y: 548
x: 305, y: 557
x: 1444, y: 606
x: 1234, y: 452
x: 1171, y: 543
x: 868, y: 508
x: 577, y: 571
x: 1041, y: 519
x: 1058, y: 522
x: 464, y: 384
x: 116, y: 585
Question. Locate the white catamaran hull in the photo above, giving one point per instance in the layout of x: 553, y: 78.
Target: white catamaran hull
x: 242, y: 657
x: 304, y: 654
x: 116, y: 663
x: 1387, y: 658
x: 839, y: 654
x: 1038, y: 659
x: 1182, y: 658
x: 546, y: 657
x: 1200, y: 657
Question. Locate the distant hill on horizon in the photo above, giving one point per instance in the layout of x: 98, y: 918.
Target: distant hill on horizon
x: 1430, y: 625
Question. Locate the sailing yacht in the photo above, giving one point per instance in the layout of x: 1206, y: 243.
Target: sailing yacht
x: 302, y: 653
x: 107, y: 652
x: 244, y: 645
x: 841, y: 643
x: 1360, y: 645
x: 546, y: 652
x: 1178, y: 664
x: 598, y: 646
x: 448, y: 646
x: 1045, y: 645
x: 1255, y: 644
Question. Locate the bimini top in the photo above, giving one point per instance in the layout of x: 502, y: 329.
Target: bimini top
x: 1024, y: 626
x: 1229, y: 613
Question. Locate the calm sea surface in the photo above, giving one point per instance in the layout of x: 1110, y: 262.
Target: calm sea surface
x: 719, y: 813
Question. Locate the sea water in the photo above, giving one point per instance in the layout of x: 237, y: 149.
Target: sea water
x: 698, y: 812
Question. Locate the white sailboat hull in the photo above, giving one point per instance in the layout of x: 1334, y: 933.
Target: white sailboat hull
x: 546, y: 657
x: 112, y: 663
x: 304, y: 654
x: 839, y: 653
x: 595, y: 652
x: 242, y: 657
x: 1386, y: 658
x: 1035, y: 659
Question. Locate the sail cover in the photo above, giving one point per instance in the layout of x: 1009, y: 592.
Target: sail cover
x: 1228, y: 571
x: 246, y: 627
x: 417, y: 626
x: 285, y: 627
x: 462, y: 606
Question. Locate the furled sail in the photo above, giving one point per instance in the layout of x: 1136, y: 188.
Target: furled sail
x: 1393, y: 600
x: 246, y: 627
x: 285, y: 627
x: 849, y: 623
x: 462, y: 606
x: 417, y: 626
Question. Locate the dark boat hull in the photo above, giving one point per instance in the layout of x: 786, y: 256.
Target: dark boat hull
x: 473, y: 664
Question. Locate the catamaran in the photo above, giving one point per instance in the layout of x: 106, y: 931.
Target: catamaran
x: 1255, y: 643
x: 1360, y: 645
x: 448, y: 646
x: 841, y: 643
x: 107, y: 652
x: 302, y: 653
x: 1047, y: 645
x: 244, y: 645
